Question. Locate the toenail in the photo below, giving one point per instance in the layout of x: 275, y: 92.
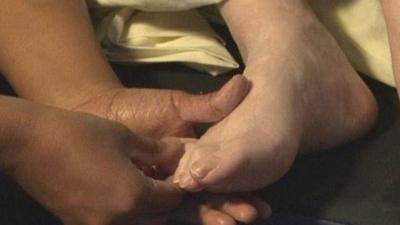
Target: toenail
x: 176, y: 179
x: 191, y: 186
x: 185, y: 183
x: 200, y: 169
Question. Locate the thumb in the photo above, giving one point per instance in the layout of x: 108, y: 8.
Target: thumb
x: 214, y: 106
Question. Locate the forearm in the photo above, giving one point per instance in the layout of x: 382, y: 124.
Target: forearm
x: 48, y: 50
x: 392, y: 14
x: 18, y: 123
x: 255, y: 23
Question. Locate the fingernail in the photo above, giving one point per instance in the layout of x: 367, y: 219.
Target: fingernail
x: 201, y: 168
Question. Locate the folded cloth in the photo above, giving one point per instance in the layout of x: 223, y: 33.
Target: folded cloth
x: 359, y: 27
x: 154, y: 5
x: 133, y: 36
x: 129, y: 35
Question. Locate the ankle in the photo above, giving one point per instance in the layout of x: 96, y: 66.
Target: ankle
x: 291, y: 36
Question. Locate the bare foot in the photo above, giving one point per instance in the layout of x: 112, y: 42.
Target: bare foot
x: 162, y: 113
x: 305, y: 97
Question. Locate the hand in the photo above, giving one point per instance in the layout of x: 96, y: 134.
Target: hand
x: 80, y: 167
x: 163, y: 113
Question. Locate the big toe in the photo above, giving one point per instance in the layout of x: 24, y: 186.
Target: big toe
x: 223, y: 171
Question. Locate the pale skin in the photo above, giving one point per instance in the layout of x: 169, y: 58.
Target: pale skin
x: 55, y: 60
x: 305, y: 96
x: 332, y: 99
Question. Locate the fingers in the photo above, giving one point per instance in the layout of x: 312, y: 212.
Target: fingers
x: 159, y: 196
x: 214, y: 106
x: 164, y: 154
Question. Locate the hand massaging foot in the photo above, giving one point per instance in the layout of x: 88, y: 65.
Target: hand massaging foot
x: 165, y: 113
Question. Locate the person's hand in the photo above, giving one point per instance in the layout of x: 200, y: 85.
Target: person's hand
x: 163, y: 113
x: 82, y: 168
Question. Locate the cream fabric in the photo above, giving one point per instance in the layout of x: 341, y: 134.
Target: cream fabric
x: 129, y: 35
x: 154, y: 5
x: 185, y: 37
x: 360, y: 29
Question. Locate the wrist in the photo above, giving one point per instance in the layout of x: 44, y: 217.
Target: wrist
x: 72, y: 96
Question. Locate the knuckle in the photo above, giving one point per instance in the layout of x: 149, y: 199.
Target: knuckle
x: 176, y: 98
x: 214, y: 103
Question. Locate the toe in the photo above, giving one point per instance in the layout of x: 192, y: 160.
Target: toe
x: 263, y: 208
x: 240, y: 210
x: 203, y: 166
x: 186, y: 182
x: 209, y: 216
x: 221, y: 171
